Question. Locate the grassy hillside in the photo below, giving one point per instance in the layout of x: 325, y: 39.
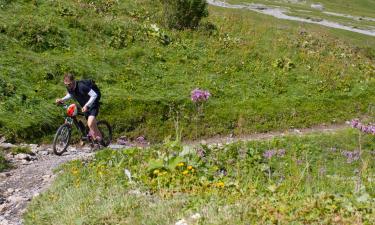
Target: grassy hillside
x: 263, y: 74
x: 318, y: 179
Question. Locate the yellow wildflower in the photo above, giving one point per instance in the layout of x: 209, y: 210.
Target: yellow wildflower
x: 220, y: 184
x: 185, y: 172
x: 181, y: 164
x: 156, y: 172
x: 190, y: 167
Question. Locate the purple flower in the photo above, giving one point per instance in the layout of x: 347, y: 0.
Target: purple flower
x: 201, y: 153
x: 269, y: 153
x: 141, y: 140
x: 351, y: 156
x: 281, y: 152
x: 122, y: 140
x: 368, y: 129
x: 354, y: 123
x: 198, y: 95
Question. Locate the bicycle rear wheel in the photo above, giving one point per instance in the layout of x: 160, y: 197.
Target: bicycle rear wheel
x: 106, y: 131
x: 61, y: 140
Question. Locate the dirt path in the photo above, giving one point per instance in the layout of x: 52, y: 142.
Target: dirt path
x: 34, y: 173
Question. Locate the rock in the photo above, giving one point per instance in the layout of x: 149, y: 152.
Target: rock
x: 4, y: 221
x: 196, y: 216
x: 44, y: 152
x: 47, y: 177
x: 317, y: 6
x: 2, y: 139
x: 2, y: 200
x: 7, y: 145
x: 181, y: 222
x: 115, y: 146
x: 22, y: 156
x: 10, y: 191
x: 15, y: 199
x: 3, y: 207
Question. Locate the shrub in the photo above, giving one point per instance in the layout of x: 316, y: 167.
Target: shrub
x: 181, y: 14
x: 38, y: 36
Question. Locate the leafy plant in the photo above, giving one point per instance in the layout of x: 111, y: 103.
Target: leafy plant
x: 181, y: 14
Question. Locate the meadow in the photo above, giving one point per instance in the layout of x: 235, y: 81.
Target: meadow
x: 263, y: 74
x: 316, y: 179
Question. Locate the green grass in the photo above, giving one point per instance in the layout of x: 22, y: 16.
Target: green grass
x: 4, y: 164
x: 264, y: 74
x: 312, y: 183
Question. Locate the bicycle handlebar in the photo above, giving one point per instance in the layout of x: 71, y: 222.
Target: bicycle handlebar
x: 65, y: 106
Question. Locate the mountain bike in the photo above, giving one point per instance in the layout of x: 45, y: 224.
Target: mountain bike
x: 64, y: 132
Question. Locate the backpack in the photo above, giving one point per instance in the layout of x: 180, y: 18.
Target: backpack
x: 91, y: 83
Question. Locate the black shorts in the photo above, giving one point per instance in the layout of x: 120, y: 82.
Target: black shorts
x: 92, y: 111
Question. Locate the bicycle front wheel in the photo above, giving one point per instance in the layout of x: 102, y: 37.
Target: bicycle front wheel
x: 106, y: 131
x: 61, y: 140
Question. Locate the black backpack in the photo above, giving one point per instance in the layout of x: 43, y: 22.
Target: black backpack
x: 91, y: 83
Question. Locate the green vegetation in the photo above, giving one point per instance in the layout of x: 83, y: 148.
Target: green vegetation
x: 21, y: 149
x: 323, y: 179
x: 4, y: 164
x: 262, y: 76
x: 185, y: 13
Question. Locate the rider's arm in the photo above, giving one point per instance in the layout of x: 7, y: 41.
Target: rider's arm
x: 67, y: 97
x: 93, y: 96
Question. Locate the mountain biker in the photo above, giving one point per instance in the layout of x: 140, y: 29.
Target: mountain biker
x: 87, y: 94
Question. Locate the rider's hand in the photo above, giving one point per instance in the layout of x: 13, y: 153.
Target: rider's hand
x: 59, y: 101
x: 84, y: 109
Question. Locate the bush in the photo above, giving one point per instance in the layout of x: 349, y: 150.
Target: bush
x: 37, y: 35
x: 181, y: 14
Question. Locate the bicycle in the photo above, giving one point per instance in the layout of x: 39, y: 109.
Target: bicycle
x: 63, y: 134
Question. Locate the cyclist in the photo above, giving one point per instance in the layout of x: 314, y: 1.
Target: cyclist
x: 87, y: 94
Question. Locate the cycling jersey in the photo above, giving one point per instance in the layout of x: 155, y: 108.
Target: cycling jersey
x: 83, y: 91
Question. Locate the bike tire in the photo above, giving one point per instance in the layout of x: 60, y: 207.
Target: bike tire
x: 62, y: 139
x: 106, y: 131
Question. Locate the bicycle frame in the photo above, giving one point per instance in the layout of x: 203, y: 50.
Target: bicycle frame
x: 79, y: 126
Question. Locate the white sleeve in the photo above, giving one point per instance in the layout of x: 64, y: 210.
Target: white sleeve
x: 67, y: 97
x: 93, y: 96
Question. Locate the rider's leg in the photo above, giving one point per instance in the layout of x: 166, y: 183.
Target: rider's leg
x: 91, y: 122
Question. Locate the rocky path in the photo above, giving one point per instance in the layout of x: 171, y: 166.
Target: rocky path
x: 33, y: 173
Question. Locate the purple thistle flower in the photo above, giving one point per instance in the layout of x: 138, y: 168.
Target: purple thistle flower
x: 141, y: 140
x: 198, y: 95
x: 269, y: 153
x: 122, y: 141
x: 354, y: 123
x: 351, y: 156
x: 281, y: 153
